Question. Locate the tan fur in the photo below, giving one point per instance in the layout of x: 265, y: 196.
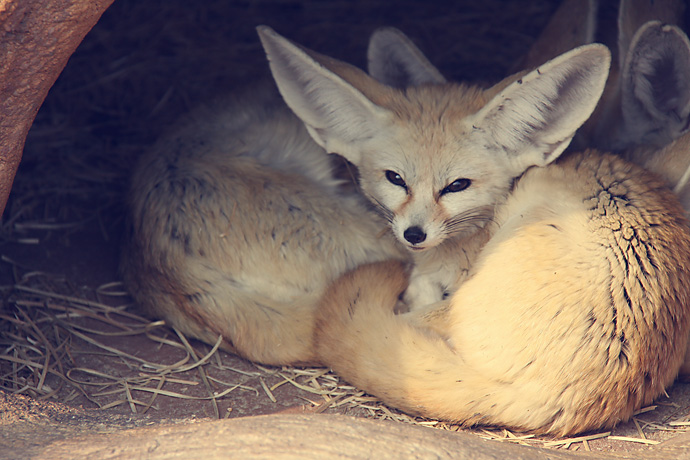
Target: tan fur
x: 574, y: 315
x: 236, y: 227
x: 645, y: 104
x: 237, y: 224
x: 671, y: 162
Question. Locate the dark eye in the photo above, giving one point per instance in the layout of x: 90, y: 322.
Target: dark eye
x: 457, y: 185
x: 395, y: 179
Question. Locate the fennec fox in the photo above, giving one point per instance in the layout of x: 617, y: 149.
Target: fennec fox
x: 572, y: 313
x: 644, y: 112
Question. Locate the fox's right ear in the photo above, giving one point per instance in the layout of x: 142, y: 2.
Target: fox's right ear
x: 534, y: 119
x: 320, y: 91
x: 395, y: 61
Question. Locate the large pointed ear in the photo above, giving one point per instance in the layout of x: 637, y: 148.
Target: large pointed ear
x: 534, y: 119
x: 395, y: 61
x: 321, y: 93
x: 655, y: 83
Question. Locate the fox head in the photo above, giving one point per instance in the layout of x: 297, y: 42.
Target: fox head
x: 436, y: 158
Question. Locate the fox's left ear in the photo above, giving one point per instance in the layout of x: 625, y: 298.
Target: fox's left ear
x: 327, y: 95
x: 395, y: 61
x: 534, y: 118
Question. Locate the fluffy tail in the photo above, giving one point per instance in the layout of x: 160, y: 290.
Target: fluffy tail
x: 362, y: 339
x: 416, y: 370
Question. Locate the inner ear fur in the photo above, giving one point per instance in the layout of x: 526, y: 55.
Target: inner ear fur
x: 534, y: 118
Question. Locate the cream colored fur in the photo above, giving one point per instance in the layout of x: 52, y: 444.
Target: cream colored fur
x: 645, y: 109
x: 672, y: 163
x: 238, y: 222
x: 567, y: 277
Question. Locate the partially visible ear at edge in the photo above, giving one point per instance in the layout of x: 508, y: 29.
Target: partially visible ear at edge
x: 534, y: 118
x: 655, y: 85
x: 633, y: 14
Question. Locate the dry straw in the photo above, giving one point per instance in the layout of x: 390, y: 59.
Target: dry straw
x: 47, y: 330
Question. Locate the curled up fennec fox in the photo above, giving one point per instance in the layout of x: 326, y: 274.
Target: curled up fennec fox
x: 573, y: 312
x: 644, y: 112
x: 567, y: 280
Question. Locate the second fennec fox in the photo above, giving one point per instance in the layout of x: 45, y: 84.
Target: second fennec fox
x: 569, y: 280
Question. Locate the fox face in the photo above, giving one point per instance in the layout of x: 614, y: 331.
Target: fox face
x: 436, y: 158
x: 422, y: 173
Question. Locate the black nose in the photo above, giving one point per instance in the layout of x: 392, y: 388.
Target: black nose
x: 414, y: 235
